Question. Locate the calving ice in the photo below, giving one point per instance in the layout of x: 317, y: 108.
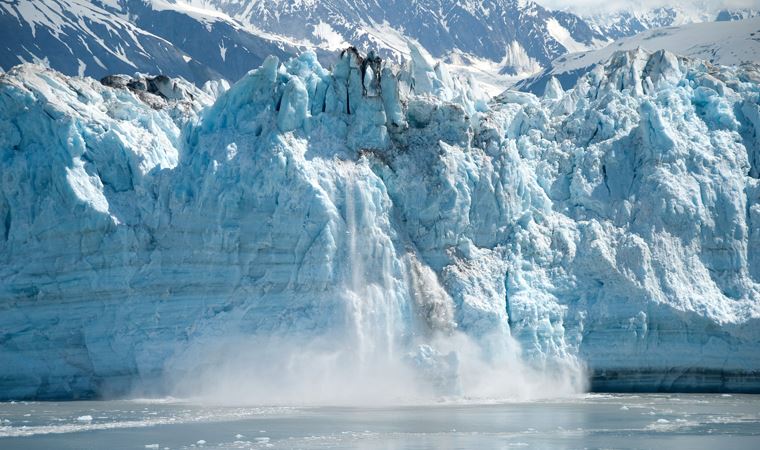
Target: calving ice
x: 311, y: 233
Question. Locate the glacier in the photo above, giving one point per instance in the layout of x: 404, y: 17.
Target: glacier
x: 319, y: 227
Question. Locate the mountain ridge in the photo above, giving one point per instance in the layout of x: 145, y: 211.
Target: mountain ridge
x: 496, y: 41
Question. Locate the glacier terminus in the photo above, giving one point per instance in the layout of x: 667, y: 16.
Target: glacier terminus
x: 380, y: 224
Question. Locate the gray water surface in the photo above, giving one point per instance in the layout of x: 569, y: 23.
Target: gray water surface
x: 587, y: 421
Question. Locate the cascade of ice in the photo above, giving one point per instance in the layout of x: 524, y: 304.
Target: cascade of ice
x: 373, y: 306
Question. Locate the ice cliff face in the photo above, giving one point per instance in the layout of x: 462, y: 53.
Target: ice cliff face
x: 395, y: 212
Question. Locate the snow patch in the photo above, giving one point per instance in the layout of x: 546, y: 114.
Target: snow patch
x: 563, y: 36
x: 328, y: 37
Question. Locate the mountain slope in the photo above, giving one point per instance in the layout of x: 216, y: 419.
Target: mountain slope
x: 725, y: 43
x: 98, y: 38
x: 623, y: 24
x: 494, y: 41
x: 497, y: 41
x: 520, y: 35
x: 726, y: 15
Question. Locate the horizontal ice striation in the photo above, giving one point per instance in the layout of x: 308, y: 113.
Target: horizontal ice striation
x: 617, y: 223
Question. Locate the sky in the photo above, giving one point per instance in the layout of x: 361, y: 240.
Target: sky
x: 592, y: 6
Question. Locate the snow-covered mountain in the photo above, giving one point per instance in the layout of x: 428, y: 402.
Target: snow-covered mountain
x: 317, y: 228
x: 102, y: 37
x: 726, y: 43
x: 207, y: 39
x: 496, y: 41
x: 622, y: 24
x: 519, y: 34
x: 618, y: 24
x: 727, y: 15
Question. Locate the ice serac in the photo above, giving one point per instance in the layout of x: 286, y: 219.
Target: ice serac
x: 390, y: 216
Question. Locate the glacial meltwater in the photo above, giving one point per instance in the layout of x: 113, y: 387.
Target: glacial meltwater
x: 584, y: 421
